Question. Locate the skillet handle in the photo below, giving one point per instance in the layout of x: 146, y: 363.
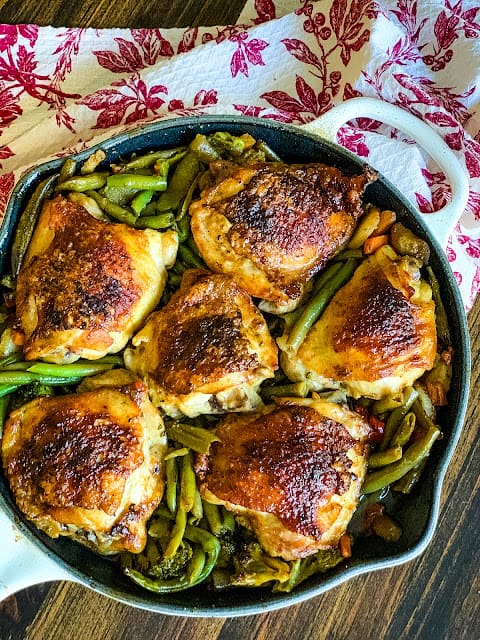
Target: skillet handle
x: 22, y: 563
x: 440, y: 223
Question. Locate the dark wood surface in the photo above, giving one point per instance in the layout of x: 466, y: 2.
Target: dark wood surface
x: 433, y: 597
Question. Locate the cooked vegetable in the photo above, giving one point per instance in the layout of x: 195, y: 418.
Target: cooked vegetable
x: 137, y: 181
x: 382, y: 458
x: 406, y: 243
x: 27, y: 222
x: 413, y: 456
x: 367, y: 225
x: 185, y: 173
x: 112, y: 209
x: 317, y: 304
x: 395, y: 418
x: 196, y: 438
x: 83, y: 183
x: 199, y: 567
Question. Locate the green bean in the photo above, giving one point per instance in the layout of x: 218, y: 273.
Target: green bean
x: 137, y: 181
x: 7, y: 360
x: 317, y: 304
x: 190, y: 258
x: 410, y: 479
x: 196, y: 438
x: 229, y: 143
x: 150, y: 158
x: 162, y: 221
x: 211, y: 548
x: 7, y: 389
x: 121, y: 196
x: 404, y: 432
x: 395, y: 418
x: 188, y: 484
x: 382, y: 458
x: 17, y: 377
x: 141, y: 200
x: 387, y: 404
x: 295, y: 389
x: 208, y: 542
x: 112, y: 209
x: 84, y: 183
x: 110, y: 359
x: 171, y: 472
x: 184, y: 174
x: 267, y: 151
x: 174, y: 279
x: 324, y: 276
x: 183, y: 227
x: 422, y: 418
x: 441, y: 319
x: 415, y: 453
x: 348, y: 253
x: 67, y: 170
x: 75, y: 369
x: 214, y: 519
x: 188, y: 199
x: 27, y: 222
x: 4, y: 400
x: 11, y: 380
x: 196, y: 565
x: 177, y: 453
x: 17, y: 366
x: 204, y: 149
x: 178, y: 531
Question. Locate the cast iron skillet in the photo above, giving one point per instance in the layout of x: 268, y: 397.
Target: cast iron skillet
x: 416, y: 513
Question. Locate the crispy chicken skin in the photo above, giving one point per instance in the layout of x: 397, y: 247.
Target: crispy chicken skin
x: 86, y: 285
x: 377, y: 335
x: 291, y: 472
x: 206, y: 351
x: 88, y: 465
x: 273, y: 226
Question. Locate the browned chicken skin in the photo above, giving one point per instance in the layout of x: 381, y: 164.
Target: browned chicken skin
x: 291, y: 472
x: 273, y: 226
x: 207, y: 350
x: 86, y: 285
x: 377, y: 335
x: 88, y: 465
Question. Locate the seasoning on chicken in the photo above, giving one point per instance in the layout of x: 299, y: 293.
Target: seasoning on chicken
x: 88, y: 465
x: 273, y: 226
x: 291, y: 472
x: 87, y: 285
x: 206, y: 351
x: 377, y: 335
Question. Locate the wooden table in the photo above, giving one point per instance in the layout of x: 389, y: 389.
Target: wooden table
x: 433, y: 597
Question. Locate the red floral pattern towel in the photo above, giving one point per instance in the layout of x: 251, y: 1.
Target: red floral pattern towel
x: 62, y: 90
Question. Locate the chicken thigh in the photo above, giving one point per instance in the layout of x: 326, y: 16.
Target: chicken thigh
x: 377, y: 335
x: 86, y: 285
x: 88, y: 465
x: 273, y: 226
x: 292, y: 473
x: 206, y: 351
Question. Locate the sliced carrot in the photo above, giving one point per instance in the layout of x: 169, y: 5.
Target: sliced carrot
x: 375, y: 242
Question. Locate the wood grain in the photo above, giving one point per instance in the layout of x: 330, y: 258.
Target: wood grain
x: 432, y: 597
